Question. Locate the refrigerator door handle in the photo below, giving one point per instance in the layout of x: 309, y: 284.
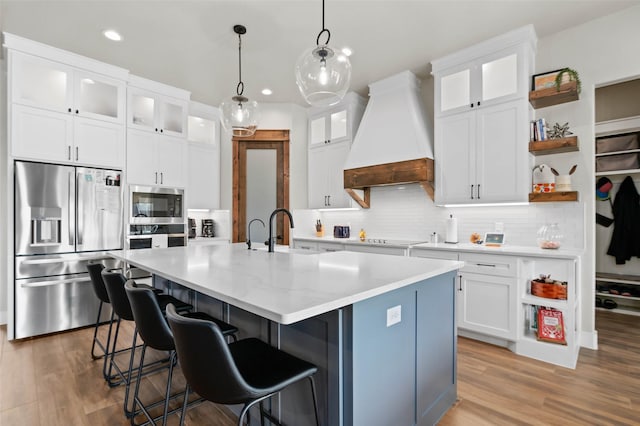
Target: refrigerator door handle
x: 79, y: 215
x: 71, y: 208
x: 49, y: 283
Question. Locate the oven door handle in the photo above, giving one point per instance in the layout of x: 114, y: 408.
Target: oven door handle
x: 49, y: 283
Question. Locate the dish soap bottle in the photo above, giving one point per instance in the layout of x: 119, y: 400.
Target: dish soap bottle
x: 362, y: 235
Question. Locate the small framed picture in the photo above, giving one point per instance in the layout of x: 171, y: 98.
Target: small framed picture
x: 545, y: 80
x: 495, y: 239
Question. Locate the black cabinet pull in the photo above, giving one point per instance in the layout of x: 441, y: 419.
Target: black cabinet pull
x: 68, y: 109
x: 77, y: 112
x: 478, y: 103
x: 76, y: 153
x: 472, y: 191
x: 156, y: 177
x: 329, y: 200
x: 156, y: 131
x: 161, y: 130
x: 68, y: 152
x: 459, y: 282
x: 478, y: 191
x: 471, y: 104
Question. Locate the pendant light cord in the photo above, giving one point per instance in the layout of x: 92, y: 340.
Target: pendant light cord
x: 240, y: 86
x: 324, y: 30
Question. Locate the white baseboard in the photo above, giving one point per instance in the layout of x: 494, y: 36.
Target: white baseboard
x: 589, y: 339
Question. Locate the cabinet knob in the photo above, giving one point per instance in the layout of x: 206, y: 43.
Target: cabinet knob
x: 77, y: 112
x: 478, y: 103
x: 68, y: 109
x: 156, y: 129
x: 161, y: 130
x: 472, y: 105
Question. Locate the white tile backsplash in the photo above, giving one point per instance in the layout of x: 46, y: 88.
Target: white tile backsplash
x: 409, y: 214
x: 221, y: 221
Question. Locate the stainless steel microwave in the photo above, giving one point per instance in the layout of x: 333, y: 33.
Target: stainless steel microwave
x: 155, y: 205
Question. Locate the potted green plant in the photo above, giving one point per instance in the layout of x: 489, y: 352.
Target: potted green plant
x: 573, y: 76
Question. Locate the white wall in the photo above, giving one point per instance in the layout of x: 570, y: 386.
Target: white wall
x: 602, y: 51
x: 274, y: 116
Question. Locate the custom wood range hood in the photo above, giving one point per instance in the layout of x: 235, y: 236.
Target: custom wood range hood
x: 392, y: 145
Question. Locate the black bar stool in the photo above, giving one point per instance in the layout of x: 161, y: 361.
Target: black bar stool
x: 114, y: 282
x: 95, y: 273
x: 155, y: 333
x: 247, y: 372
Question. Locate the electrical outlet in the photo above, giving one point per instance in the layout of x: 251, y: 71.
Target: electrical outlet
x: 394, y: 315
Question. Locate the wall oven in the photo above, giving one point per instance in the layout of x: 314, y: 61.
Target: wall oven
x: 156, y: 205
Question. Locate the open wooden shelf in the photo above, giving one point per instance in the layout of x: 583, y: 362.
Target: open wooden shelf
x: 554, y: 146
x: 546, y: 197
x: 547, y: 97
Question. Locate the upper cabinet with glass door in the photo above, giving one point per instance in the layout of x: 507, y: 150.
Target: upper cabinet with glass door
x: 156, y: 107
x: 337, y: 123
x: 42, y: 83
x: 490, y: 73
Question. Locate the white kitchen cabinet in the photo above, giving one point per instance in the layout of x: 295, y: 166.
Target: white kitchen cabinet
x: 326, y: 179
x: 158, y: 108
x: 331, y: 131
x: 491, y: 72
x: 481, y: 156
x: 487, y: 304
x: 203, y: 169
x: 154, y: 159
x: 487, y: 296
x: 65, y: 114
x: 54, y: 86
x: 337, y: 123
x: 482, y: 121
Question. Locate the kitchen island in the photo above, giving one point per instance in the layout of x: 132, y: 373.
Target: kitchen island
x: 380, y: 328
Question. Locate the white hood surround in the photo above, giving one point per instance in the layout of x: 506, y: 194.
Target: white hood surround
x: 393, y: 143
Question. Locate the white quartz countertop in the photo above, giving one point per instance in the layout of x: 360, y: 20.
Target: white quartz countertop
x: 504, y: 250
x: 285, y: 287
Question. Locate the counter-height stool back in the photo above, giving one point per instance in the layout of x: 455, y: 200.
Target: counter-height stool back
x: 114, y: 282
x: 155, y: 333
x: 95, y: 273
x: 246, y: 372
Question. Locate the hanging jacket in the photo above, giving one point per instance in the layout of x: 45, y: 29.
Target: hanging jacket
x: 625, y: 241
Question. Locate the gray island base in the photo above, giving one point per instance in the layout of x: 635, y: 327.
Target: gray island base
x: 380, y: 328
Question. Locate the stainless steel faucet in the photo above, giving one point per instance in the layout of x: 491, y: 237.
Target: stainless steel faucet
x: 249, y: 231
x: 273, y: 215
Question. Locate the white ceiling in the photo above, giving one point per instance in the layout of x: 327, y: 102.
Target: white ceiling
x: 191, y: 44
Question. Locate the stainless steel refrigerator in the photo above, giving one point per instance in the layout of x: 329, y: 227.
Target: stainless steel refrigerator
x: 64, y: 217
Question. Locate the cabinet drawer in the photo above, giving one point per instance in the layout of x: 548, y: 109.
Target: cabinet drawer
x: 330, y: 247
x: 489, y: 264
x: 434, y: 254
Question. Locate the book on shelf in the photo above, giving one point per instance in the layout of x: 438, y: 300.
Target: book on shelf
x: 538, y: 130
x: 550, y: 326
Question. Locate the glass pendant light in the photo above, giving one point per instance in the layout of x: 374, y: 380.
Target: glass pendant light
x: 322, y: 74
x: 239, y: 114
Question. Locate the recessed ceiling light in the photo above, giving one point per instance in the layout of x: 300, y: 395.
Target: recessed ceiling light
x: 112, y: 35
x: 347, y: 51
x: 266, y: 92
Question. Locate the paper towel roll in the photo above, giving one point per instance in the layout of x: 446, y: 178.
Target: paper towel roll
x: 452, y: 230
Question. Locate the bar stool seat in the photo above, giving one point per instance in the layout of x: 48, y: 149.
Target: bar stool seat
x: 155, y: 333
x: 114, y: 282
x: 246, y: 372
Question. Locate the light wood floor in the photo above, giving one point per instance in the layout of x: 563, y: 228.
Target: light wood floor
x: 53, y: 381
